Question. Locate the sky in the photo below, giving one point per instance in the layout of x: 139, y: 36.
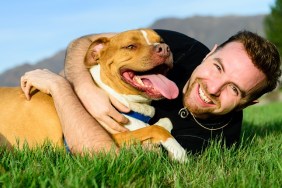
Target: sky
x: 32, y: 30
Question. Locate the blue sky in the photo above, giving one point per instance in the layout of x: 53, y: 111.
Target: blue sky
x: 31, y: 30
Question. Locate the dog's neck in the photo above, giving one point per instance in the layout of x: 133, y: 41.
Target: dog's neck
x: 136, y: 103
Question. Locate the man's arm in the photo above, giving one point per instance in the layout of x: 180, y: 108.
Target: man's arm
x: 98, y: 104
x: 81, y: 131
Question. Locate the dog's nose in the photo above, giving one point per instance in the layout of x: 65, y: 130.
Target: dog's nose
x: 162, y: 49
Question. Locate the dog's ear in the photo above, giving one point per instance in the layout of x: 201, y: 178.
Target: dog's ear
x: 93, y: 53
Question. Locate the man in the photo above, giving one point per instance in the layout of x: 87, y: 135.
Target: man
x: 216, y: 86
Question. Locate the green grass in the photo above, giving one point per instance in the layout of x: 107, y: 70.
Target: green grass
x: 256, y: 163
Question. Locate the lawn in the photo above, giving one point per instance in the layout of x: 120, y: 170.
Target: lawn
x: 256, y: 163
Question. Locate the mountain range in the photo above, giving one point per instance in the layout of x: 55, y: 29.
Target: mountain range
x: 207, y: 29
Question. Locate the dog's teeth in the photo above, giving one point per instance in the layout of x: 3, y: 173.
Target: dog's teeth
x: 138, y: 80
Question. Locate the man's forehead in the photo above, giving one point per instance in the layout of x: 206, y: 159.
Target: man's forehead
x: 232, y: 46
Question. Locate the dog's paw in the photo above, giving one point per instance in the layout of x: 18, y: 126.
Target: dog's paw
x: 165, y: 123
x: 176, y: 151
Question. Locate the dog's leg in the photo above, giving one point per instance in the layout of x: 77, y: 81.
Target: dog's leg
x: 165, y: 123
x: 155, y: 135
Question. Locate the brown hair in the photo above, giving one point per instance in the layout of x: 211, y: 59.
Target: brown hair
x: 264, y: 56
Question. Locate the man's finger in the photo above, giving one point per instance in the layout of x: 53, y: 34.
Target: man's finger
x: 27, y: 89
x: 23, y: 82
x: 118, y: 117
x: 118, y: 105
x: 114, y: 125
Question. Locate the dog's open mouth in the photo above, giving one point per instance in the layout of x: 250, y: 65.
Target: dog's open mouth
x: 152, y: 82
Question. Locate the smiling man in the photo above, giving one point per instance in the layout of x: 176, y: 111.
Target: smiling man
x: 216, y: 86
x: 220, y: 84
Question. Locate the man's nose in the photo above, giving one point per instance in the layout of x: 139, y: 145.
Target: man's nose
x: 214, y: 88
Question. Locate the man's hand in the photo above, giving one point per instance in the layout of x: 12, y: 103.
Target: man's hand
x: 105, y: 109
x: 81, y: 131
x: 43, y: 80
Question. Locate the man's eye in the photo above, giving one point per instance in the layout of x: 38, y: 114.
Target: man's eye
x: 217, y: 67
x: 234, y: 89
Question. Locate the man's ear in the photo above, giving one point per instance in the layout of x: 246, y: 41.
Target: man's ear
x: 93, y: 53
x: 249, y: 104
x: 254, y: 102
x: 211, y: 52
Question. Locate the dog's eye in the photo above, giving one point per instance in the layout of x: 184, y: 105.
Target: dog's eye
x: 131, y: 47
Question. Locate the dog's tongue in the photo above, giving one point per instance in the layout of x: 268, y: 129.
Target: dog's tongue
x: 165, y: 86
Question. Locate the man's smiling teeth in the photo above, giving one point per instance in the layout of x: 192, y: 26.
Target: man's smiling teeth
x: 204, y: 97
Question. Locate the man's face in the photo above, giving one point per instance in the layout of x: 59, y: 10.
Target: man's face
x: 222, y: 81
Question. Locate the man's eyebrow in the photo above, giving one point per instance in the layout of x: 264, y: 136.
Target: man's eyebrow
x: 219, y: 61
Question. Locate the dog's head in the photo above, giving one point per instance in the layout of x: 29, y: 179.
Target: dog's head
x: 133, y: 63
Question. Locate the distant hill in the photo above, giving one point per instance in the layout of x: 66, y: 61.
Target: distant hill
x: 209, y: 30
x: 12, y: 76
x: 212, y: 30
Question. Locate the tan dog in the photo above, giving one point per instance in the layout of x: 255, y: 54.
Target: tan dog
x: 128, y: 66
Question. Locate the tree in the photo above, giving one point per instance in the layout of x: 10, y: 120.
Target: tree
x: 273, y: 25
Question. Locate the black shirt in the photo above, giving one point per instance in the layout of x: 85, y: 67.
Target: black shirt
x: 188, y: 53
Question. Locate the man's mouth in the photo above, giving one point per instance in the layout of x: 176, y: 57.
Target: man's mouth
x: 204, y: 97
x: 152, y: 82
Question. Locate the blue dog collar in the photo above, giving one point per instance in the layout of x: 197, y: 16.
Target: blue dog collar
x: 138, y: 116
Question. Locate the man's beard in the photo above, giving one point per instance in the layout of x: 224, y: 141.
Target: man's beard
x: 193, y: 107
